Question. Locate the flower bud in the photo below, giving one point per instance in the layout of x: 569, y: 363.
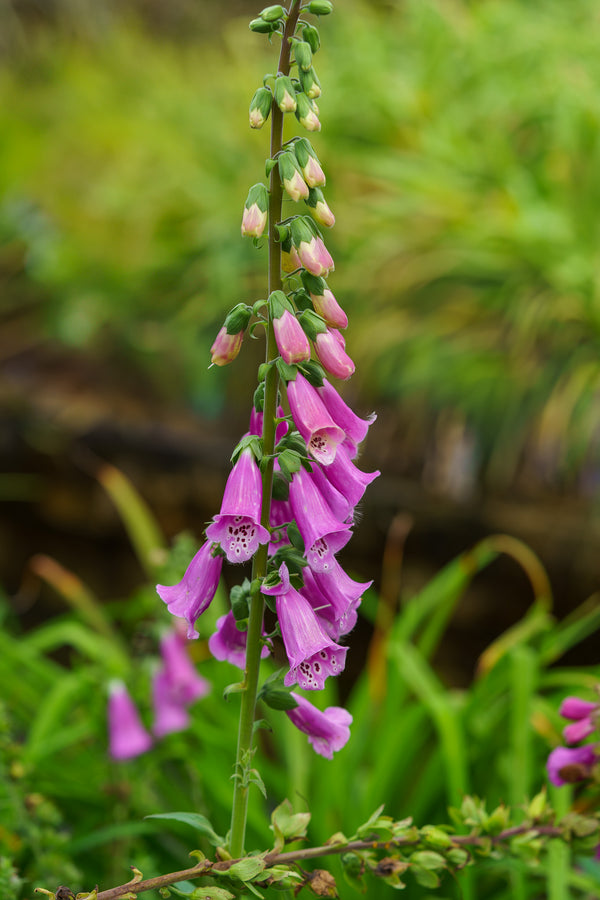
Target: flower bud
x: 226, y: 347
x: 260, y: 107
x: 310, y: 84
x: 285, y: 95
x: 321, y: 211
x: 292, y: 342
x: 291, y: 177
x: 290, y: 261
x: 262, y: 27
x: 311, y: 249
x: 312, y: 324
x: 272, y: 13
x: 324, y: 301
x: 332, y: 354
x: 309, y: 164
x: 311, y: 35
x: 254, y: 217
x: 303, y: 55
x: 237, y: 318
x: 320, y: 7
x: 305, y: 113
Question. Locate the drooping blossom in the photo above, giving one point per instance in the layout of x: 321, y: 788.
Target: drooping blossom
x: 332, y: 354
x: 337, y: 503
x: 285, y: 95
x: 291, y: 340
x: 229, y: 643
x: 335, y: 596
x: 320, y: 208
x: 309, y: 164
x: 567, y: 765
x: 126, y: 734
x: 355, y: 428
x: 291, y: 176
x: 311, y: 653
x: 254, y: 217
x: 237, y: 527
x: 306, y: 113
x: 226, y: 347
x: 193, y: 594
x: 349, y: 480
x: 260, y: 107
x: 322, y: 533
x: 585, y: 715
x: 327, y: 731
x: 327, y: 306
x: 315, y: 424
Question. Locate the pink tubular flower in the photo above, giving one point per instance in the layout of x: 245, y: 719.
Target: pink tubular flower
x: 193, y: 594
x: 327, y: 731
x: 226, y: 347
x: 584, y: 713
x: 170, y: 712
x: 237, y: 528
x: 353, y: 426
x: 127, y: 736
x: 327, y: 306
x: 317, y: 427
x: 337, y: 503
x: 311, y: 653
x: 336, y: 606
x: 292, y: 343
x: 322, y: 533
x: 576, y: 708
x: 566, y: 765
x: 254, y: 220
x: 350, y: 481
x: 185, y: 682
x: 332, y: 354
x: 229, y: 643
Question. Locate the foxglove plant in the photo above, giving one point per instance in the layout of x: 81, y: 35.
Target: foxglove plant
x: 280, y: 508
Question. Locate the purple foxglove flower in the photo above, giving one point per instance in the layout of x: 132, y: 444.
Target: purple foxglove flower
x: 322, y: 533
x: 317, y: 427
x: 350, y: 481
x: 237, y: 528
x: 332, y: 354
x: 578, y: 731
x: 311, y: 653
x: 338, y: 597
x: 193, y: 594
x: 127, y: 736
x: 292, y: 343
x: 576, y: 708
x: 228, y: 643
x: 566, y: 765
x: 226, y: 347
x: 185, y: 682
x: 170, y: 712
x: 354, y: 427
x: 337, y: 503
x: 327, y: 731
x: 327, y: 306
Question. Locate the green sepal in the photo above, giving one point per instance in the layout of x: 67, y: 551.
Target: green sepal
x: 302, y: 299
x: 313, y: 284
x: 303, y: 55
x: 310, y: 83
x: 269, y: 166
x: 262, y: 27
x: 289, y: 462
x: 294, y: 560
x: 259, y: 396
x: 258, y: 194
x: 280, y: 490
x: 248, y: 868
x: 278, y: 304
x: 263, y: 371
x: 295, y: 538
x: 312, y: 324
x: 313, y: 372
x: 251, y: 441
x: 239, y: 597
x: 279, y: 699
x: 303, y: 149
x: 287, y: 825
x: 311, y: 35
x: 237, y: 688
x: 287, y: 373
x: 237, y: 318
x: 261, y: 725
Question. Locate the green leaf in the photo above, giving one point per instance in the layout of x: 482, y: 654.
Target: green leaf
x: 288, y: 825
x: 196, y: 820
x: 211, y: 893
x: 245, y: 869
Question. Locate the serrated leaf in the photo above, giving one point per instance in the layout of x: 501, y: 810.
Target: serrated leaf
x: 288, y: 825
x: 196, y: 820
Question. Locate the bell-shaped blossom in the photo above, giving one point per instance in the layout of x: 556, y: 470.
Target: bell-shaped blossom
x: 226, y: 347
x: 335, y: 596
x: 349, y: 480
x: 566, y: 765
x: 126, y: 734
x: 332, y: 355
x: 322, y: 533
x: 353, y: 426
x: 315, y: 424
x: 193, y: 594
x: 585, y: 716
x: 327, y: 306
x: 327, y: 731
x: 311, y: 653
x: 292, y: 342
x: 185, y: 682
x: 237, y: 528
x: 576, y: 708
x: 170, y: 712
x: 228, y: 643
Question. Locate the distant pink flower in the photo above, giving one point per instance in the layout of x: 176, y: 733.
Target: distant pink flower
x: 170, y: 712
x: 186, y: 684
x: 327, y: 731
x: 229, y: 643
x: 566, y: 765
x: 127, y: 736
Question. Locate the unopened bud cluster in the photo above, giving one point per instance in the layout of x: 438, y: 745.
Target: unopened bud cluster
x: 316, y: 484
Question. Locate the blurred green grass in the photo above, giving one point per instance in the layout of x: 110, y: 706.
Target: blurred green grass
x: 461, y: 146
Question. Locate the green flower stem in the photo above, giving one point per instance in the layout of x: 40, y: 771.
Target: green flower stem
x: 259, y: 565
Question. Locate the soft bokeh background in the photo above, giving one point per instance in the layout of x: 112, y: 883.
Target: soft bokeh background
x: 461, y: 144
